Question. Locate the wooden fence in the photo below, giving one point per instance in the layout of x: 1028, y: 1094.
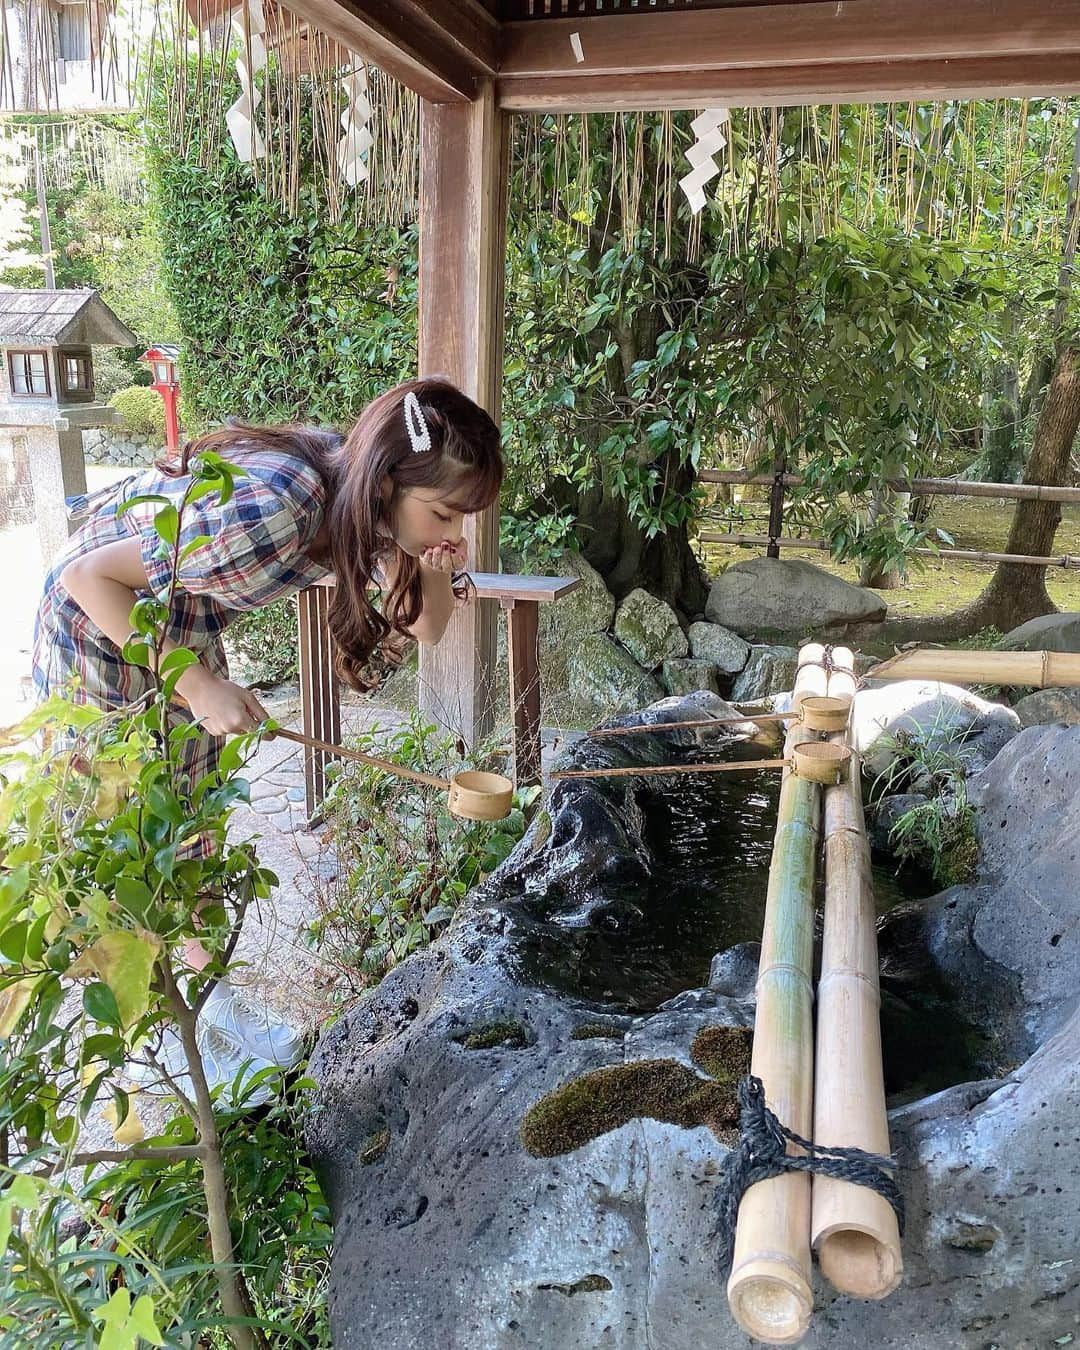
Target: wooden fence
x: 779, y: 482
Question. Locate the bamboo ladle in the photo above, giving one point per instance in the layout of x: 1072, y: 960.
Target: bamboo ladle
x: 818, y: 761
x: 817, y: 712
x: 471, y: 794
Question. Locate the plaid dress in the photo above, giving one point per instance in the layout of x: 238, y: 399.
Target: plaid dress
x: 255, y: 554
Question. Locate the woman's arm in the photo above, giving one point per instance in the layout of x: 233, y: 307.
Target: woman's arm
x: 103, y: 584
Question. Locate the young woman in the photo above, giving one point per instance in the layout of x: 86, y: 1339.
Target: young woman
x: 383, y: 506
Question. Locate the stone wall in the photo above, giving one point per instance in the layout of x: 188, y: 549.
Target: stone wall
x: 120, y: 445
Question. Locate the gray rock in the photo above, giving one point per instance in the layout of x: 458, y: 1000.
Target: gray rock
x: 882, y: 819
x: 934, y: 715
x: 589, y: 609
x: 685, y: 676
x: 769, y: 670
x: 735, y: 971
x: 1022, y: 915
x: 725, y: 649
x: 766, y: 596
x: 424, y: 1083
x: 1049, y: 632
x: 1049, y: 705
x: 649, y: 629
x: 605, y: 675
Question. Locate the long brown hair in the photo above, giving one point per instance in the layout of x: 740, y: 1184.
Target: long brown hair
x: 464, y: 464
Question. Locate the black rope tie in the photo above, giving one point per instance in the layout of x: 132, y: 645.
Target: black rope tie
x: 761, y: 1153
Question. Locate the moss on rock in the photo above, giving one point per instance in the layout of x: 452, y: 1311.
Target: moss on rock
x: 492, y: 1034
x: 723, y: 1052
x: 596, y: 1103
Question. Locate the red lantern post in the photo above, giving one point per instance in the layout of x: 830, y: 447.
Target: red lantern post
x: 162, y: 361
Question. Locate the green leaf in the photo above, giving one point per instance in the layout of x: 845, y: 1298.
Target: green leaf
x: 166, y: 523
x: 193, y: 545
x: 124, y: 961
x: 99, y: 1002
x: 135, y: 501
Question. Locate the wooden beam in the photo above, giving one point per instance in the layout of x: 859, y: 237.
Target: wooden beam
x: 814, y: 51
x: 788, y: 35
x: 855, y: 82
x: 464, y: 154
x: 439, y: 50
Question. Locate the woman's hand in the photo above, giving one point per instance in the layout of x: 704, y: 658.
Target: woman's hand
x: 219, y: 706
x: 446, y: 557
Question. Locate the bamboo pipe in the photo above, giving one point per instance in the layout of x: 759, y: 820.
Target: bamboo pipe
x: 843, y: 681
x: 769, y: 1286
x: 398, y: 770
x: 690, y: 725
x: 817, y: 711
x: 1041, y: 670
x: 471, y: 794
x: 854, y: 1230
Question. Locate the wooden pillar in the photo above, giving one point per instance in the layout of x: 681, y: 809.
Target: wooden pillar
x: 320, y: 693
x: 463, y: 171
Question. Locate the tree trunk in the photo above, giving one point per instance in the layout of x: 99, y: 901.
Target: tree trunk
x: 886, y: 502
x: 1017, y: 592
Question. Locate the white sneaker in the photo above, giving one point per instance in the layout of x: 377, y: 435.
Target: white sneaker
x: 252, y: 1024
x: 228, y: 1064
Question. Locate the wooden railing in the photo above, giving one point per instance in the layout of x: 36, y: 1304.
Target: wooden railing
x: 320, y: 692
x: 953, y: 487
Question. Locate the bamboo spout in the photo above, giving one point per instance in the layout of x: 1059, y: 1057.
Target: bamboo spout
x: 854, y: 1229
x: 769, y: 1286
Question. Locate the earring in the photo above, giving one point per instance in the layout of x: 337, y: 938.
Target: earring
x: 416, y: 425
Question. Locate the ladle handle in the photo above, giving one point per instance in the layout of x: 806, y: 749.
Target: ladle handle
x: 398, y: 769
x: 729, y: 767
x: 695, y: 722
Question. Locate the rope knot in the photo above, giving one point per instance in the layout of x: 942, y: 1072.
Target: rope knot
x: 762, y: 1153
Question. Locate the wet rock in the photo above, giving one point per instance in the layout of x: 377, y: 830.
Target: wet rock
x: 734, y: 972
x: 449, y: 1231
x: 687, y: 675
x: 605, y: 675
x: 886, y: 813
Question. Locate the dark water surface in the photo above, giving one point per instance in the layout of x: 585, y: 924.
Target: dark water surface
x: 710, y: 840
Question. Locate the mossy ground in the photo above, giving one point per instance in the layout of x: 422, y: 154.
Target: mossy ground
x: 946, y: 584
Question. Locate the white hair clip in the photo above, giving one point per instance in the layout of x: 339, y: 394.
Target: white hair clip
x: 416, y: 425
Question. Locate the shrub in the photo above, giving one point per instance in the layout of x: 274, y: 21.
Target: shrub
x: 405, y: 862
x: 265, y: 640
x: 939, y: 833
x: 215, y: 1229
x: 142, y: 410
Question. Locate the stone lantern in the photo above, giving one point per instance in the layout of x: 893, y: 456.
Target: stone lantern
x: 47, y: 391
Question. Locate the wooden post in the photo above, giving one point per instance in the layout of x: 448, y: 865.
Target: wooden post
x: 522, y: 627
x: 776, y: 509
x: 463, y: 170
x: 320, y: 694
